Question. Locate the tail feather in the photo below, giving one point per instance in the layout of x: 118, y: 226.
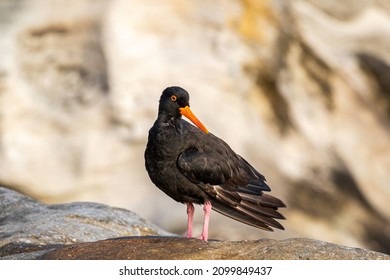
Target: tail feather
x: 264, y: 199
x: 256, y: 208
x: 248, y: 205
x: 238, y: 216
x: 260, y: 217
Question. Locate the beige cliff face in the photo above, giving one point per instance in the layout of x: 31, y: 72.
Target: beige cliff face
x: 301, y: 90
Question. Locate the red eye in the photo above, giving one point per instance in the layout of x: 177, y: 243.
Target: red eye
x: 173, y: 98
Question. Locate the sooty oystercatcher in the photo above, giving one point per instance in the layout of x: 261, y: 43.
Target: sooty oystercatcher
x: 192, y: 165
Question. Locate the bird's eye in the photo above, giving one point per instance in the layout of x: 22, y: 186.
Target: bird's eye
x: 173, y: 98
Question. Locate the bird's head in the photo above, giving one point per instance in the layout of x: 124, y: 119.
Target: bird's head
x: 175, y: 102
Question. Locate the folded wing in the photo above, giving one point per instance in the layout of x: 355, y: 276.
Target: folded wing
x: 235, y: 188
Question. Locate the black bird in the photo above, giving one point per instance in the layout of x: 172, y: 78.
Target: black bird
x: 191, y: 165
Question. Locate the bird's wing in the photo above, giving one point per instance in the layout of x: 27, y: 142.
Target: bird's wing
x: 235, y: 188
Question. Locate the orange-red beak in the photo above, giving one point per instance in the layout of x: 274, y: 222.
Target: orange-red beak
x: 185, y: 111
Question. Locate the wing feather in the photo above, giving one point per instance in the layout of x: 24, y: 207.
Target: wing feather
x: 234, y: 187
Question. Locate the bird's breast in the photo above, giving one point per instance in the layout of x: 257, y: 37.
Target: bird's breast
x: 162, y: 151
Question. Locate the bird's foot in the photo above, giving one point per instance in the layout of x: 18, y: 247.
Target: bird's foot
x: 203, y: 237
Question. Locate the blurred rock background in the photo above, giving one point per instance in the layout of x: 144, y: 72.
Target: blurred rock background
x: 301, y: 89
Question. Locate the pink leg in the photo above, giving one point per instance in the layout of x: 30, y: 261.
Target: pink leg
x: 190, y: 213
x: 207, y: 212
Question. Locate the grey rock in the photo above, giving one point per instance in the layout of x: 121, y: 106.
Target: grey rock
x: 28, y: 226
x: 32, y: 230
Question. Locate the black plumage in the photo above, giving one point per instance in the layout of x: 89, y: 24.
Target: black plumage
x: 192, y: 165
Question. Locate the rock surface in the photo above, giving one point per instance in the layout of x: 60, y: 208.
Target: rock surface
x: 28, y: 226
x: 298, y: 88
x: 163, y: 248
x: 31, y: 230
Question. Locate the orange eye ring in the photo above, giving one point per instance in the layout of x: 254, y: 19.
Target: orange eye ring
x: 173, y: 98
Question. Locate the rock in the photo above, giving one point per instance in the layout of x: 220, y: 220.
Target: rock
x: 298, y: 88
x: 31, y: 230
x: 163, y: 248
x: 29, y: 226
